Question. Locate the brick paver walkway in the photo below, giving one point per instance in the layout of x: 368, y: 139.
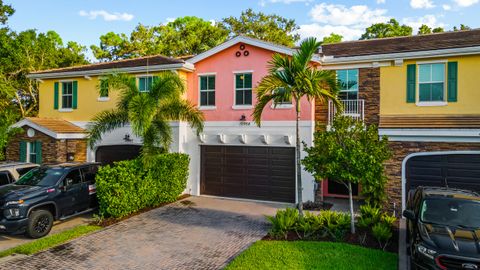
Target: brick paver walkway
x: 197, y: 233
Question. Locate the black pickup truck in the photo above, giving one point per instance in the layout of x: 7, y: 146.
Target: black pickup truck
x: 45, y: 194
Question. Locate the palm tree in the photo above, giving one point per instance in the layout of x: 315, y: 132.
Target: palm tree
x: 292, y: 78
x: 148, y: 112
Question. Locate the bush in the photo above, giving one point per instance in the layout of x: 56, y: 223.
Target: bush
x: 382, y: 232
x: 128, y: 186
x: 283, y: 222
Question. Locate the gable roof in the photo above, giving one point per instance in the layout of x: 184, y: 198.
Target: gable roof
x: 246, y: 40
x: 437, y: 41
x: 56, y: 128
x: 140, y: 64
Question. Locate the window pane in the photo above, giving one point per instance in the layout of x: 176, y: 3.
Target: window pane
x: 239, y: 81
x: 438, y: 72
x: 203, y: 83
x: 74, y: 176
x: 149, y: 83
x: 248, y: 80
x: 141, y: 84
x: 239, y: 97
x: 203, y: 98
x: 352, y: 83
x: 103, y: 88
x: 342, y: 79
x: 248, y: 97
x: 4, y: 178
x: 211, y: 98
x: 424, y: 72
x: 211, y: 82
x: 425, y: 92
x: 437, y: 91
x: 353, y: 95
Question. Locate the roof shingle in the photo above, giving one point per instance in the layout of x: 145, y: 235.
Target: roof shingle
x: 56, y: 125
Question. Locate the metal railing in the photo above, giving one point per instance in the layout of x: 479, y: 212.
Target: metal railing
x: 354, y: 108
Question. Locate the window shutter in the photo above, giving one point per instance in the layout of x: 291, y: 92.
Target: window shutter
x: 411, y: 82
x: 452, y: 81
x: 74, y: 98
x: 55, y: 96
x: 38, y: 146
x: 23, y: 151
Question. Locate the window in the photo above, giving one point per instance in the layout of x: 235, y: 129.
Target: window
x: 243, y: 89
x: 32, y: 153
x: 89, y: 173
x: 22, y: 171
x: 348, y: 80
x: 145, y: 83
x: 67, y: 95
x: 103, y: 89
x: 74, y: 177
x: 5, y: 178
x: 207, y: 90
x: 431, y: 82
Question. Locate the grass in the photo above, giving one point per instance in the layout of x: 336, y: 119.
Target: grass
x: 312, y: 255
x: 50, y: 241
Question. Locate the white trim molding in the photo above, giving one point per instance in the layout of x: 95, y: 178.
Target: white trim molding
x: 405, y: 160
x: 431, y: 135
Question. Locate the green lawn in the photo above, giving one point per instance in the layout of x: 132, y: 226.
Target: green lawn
x: 50, y: 241
x: 312, y: 255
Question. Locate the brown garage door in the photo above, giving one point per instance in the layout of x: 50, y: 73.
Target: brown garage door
x: 455, y: 170
x: 111, y: 153
x: 260, y: 173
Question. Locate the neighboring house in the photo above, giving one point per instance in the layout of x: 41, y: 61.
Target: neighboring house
x: 232, y: 157
x: 423, y: 93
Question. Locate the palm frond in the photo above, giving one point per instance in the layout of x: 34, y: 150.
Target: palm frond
x: 141, y: 110
x: 307, y: 49
x: 104, y: 122
x: 182, y: 110
x: 167, y: 84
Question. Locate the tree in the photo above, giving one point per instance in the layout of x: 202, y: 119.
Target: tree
x: 148, y: 113
x: 438, y: 30
x: 424, y: 30
x: 390, y: 29
x: 350, y: 153
x: 462, y: 27
x: 272, y: 28
x: 333, y: 38
x: 5, y: 12
x: 293, y: 78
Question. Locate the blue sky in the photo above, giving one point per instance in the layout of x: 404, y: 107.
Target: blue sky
x: 84, y: 21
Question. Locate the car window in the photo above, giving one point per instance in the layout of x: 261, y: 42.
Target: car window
x: 451, y: 212
x: 5, y: 178
x: 75, y: 176
x: 24, y: 170
x: 41, y: 176
x: 89, y: 173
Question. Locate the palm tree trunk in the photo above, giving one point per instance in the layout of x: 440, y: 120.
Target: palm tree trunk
x: 299, y: 167
x: 352, y: 217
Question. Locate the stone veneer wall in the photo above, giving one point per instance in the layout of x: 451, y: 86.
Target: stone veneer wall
x: 393, y: 167
x: 53, y: 150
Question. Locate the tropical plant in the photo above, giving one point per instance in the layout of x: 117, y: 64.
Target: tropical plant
x: 283, y: 222
x: 293, y: 78
x: 148, y: 113
x: 335, y: 223
x: 382, y: 232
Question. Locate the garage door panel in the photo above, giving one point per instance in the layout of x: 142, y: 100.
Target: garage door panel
x: 263, y: 173
x: 112, y: 153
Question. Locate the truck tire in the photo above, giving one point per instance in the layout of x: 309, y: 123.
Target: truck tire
x: 40, y: 223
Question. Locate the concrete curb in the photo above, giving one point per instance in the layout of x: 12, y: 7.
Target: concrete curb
x: 402, y: 246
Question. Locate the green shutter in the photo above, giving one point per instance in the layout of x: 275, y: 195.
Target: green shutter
x: 411, y: 82
x: 38, y: 147
x: 452, y: 81
x: 55, y: 96
x: 23, y: 151
x: 75, y: 93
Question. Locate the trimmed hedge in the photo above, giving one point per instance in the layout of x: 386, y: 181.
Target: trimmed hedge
x: 128, y: 186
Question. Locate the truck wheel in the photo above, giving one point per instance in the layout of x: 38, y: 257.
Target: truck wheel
x: 40, y: 223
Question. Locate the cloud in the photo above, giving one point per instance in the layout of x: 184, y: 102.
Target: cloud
x: 320, y: 31
x: 107, y: 16
x: 430, y: 20
x: 446, y: 7
x: 359, y: 15
x: 265, y: 2
x: 417, y: 4
x: 465, y: 3
x: 381, y: 1
x: 170, y: 19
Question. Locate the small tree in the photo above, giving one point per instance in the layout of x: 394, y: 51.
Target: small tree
x: 350, y: 153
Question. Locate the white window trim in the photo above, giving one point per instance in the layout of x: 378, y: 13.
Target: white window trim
x: 29, y: 144
x: 283, y: 106
x: 62, y: 109
x: 417, y: 86
x: 206, y: 107
x: 206, y: 74
x: 243, y: 106
x: 103, y: 99
x: 242, y: 71
x: 137, y: 80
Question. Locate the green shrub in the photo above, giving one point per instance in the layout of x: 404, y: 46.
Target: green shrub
x: 283, y: 222
x: 388, y: 220
x: 382, y: 232
x: 128, y: 186
x: 335, y: 224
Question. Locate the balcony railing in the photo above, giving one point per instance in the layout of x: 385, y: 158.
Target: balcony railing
x: 354, y: 108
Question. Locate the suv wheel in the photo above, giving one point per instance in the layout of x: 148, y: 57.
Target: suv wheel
x: 40, y: 223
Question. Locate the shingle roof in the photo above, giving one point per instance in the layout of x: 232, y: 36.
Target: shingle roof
x: 126, y: 63
x: 56, y: 125
x: 446, y: 40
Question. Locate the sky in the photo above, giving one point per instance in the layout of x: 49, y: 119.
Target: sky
x: 84, y: 21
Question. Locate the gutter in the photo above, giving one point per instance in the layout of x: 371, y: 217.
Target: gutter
x: 55, y: 75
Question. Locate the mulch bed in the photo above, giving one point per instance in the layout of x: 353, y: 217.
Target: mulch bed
x: 317, y: 206
x: 361, y: 238
x: 110, y: 221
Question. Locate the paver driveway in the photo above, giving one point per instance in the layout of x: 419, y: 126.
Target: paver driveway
x: 196, y: 233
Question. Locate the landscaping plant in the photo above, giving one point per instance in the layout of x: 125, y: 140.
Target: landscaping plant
x: 382, y: 232
x: 283, y: 222
x: 349, y: 153
x: 293, y: 78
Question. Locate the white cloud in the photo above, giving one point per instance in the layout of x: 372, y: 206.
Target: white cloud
x: 466, y: 3
x: 359, y: 15
x: 381, y: 1
x: 415, y: 23
x: 421, y: 4
x: 320, y: 31
x: 446, y: 7
x: 264, y: 2
x: 107, y: 16
x: 170, y: 19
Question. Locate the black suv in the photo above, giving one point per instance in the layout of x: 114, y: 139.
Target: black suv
x: 443, y: 228
x: 45, y: 194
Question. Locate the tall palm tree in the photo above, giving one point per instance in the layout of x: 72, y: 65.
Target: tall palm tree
x: 292, y: 78
x: 148, y: 112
